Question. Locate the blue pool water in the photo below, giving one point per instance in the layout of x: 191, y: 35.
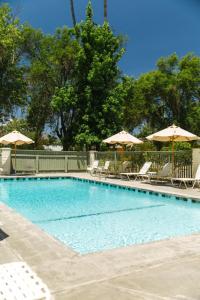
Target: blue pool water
x: 89, y: 217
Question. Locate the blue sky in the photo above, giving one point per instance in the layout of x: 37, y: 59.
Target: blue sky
x: 153, y: 28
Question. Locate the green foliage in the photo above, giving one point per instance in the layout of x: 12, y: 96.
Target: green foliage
x: 134, y: 109
x: 178, y: 146
x: 64, y: 103
x: 70, y: 83
x: 98, y: 107
x: 146, y: 146
x: 12, y: 85
x: 41, y: 80
x: 15, y: 124
x: 193, y: 117
x: 50, y: 69
x: 19, y: 125
x: 171, y: 94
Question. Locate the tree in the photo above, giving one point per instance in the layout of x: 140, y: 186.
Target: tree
x: 51, y: 65
x: 171, y: 93
x: 88, y: 108
x: 70, y: 83
x: 134, y: 105
x: 72, y: 12
x: 16, y: 124
x: 12, y: 84
x: 40, y: 80
x: 193, y: 118
x: 65, y: 104
x: 105, y: 10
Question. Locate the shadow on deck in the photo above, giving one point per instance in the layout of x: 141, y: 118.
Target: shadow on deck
x: 3, y: 235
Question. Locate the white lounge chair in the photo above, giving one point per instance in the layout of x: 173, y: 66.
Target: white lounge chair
x: 143, y: 171
x: 92, y: 169
x: 162, y: 174
x: 195, y: 180
x: 18, y: 281
x: 104, y: 170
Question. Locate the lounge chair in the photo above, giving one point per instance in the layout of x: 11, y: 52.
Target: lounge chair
x: 162, y: 174
x: 195, y: 180
x: 18, y: 281
x: 143, y: 171
x: 92, y: 169
x: 104, y: 170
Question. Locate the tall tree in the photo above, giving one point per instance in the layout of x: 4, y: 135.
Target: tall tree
x: 133, y: 105
x: 90, y: 110
x: 105, y: 10
x: 171, y: 93
x: 51, y: 65
x: 40, y: 80
x: 73, y: 12
x: 12, y: 84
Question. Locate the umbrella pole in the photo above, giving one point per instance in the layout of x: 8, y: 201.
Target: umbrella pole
x: 173, y: 157
x: 15, y: 159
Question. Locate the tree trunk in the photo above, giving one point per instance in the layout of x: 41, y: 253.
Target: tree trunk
x: 66, y: 143
x: 72, y: 12
x: 105, y: 10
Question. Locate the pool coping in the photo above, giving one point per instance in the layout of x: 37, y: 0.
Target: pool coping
x: 180, y: 194
x: 102, y: 181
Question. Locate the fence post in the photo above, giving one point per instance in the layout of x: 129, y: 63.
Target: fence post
x: 195, y: 159
x: 6, y: 160
x: 92, y: 157
x: 66, y: 163
x: 37, y: 163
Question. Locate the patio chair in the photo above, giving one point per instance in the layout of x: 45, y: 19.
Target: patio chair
x: 162, y: 174
x: 18, y: 281
x: 92, y: 169
x: 143, y: 171
x: 195, y: 180
x: 104, y: 170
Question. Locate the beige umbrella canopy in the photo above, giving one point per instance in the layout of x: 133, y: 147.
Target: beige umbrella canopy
x: 15, y: 138
x: 172, y: 134
x: 123, y: 138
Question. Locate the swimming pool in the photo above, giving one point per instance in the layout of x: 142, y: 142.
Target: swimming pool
x: 90, y: 217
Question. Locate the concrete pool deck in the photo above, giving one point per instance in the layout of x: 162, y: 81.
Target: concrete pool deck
x: 168, y: 269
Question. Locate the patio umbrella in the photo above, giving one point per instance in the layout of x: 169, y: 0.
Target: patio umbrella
x: 172, y: 134
x: 15, y: 138
x: 123, y: 138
